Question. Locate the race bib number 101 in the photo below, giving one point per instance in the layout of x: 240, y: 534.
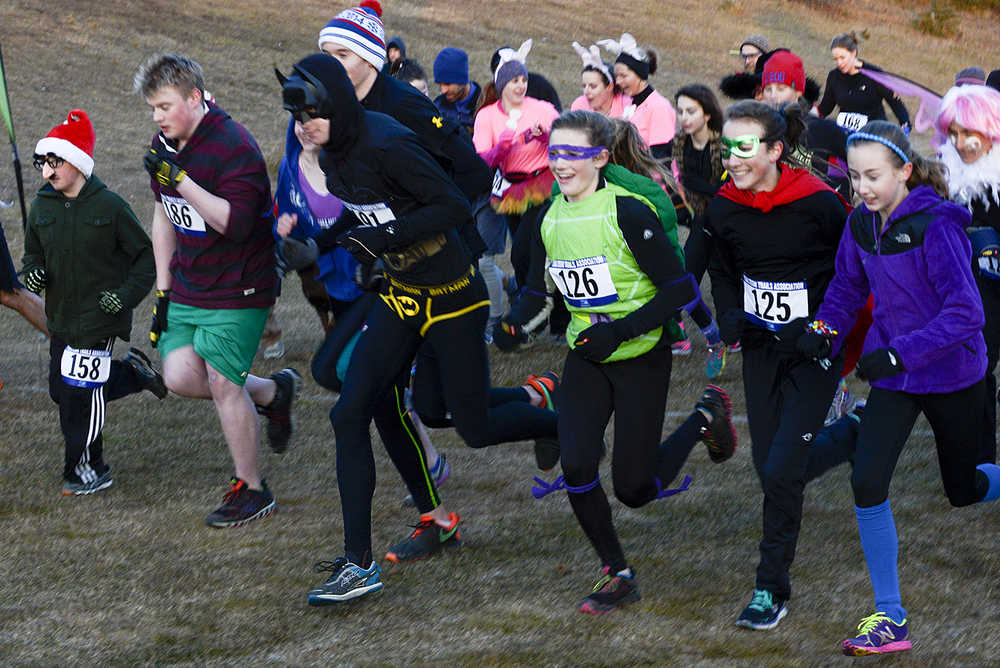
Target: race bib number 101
x: 183, y: 216
x: 372, y: 214
x: 586, y: 282
x: 774, y: 305
x: 85, y: 368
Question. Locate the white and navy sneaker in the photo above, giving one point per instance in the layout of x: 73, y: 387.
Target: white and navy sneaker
x: 102, y: 481
x: 349, y: 581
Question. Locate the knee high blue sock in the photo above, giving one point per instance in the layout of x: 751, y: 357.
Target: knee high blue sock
x: 881, y: 547
x: 992, y: 473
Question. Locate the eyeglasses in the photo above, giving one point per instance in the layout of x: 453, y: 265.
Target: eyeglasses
x: 744, y: 146
x: 747, y: 57
x: 53, y: 161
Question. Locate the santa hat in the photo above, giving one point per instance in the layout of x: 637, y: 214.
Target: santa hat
x: 359, y: 29
x: 72, y: 140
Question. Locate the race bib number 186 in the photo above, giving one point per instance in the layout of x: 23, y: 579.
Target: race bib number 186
x: 774, y: 305
x: 183, y: 216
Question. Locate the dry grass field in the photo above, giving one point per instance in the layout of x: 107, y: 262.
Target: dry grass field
x: 132, y: 575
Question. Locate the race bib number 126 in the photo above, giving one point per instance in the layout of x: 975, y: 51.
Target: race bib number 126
x: 586, y: 282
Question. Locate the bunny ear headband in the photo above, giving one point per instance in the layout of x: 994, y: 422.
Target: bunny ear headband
x: 508, y: 54
x: 629, y: 53
x: 592, y: 58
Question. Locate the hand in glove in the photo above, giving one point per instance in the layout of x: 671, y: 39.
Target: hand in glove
x: 370, y: 276
x: 110, y: 303
x: 366, y: 243
x: 814, y: 346
x: 36, y: 279
x: 506, y: 336
x: 879, y: 364
x: 296, y: 254
x: 159, y: 316
x: 597, y: 342
x: 163, y: 169
x: 731, y: 325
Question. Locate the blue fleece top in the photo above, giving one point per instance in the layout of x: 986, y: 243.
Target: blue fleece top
x: 926, y: 304
x: 337, y: 267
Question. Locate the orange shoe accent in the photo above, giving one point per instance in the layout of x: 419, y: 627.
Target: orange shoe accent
x: 543, y: 385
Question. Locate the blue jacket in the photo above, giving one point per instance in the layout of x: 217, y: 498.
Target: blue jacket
x: 336, y: 267
x: 927, y: 305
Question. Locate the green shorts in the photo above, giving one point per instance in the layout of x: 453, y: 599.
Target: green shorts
x: 225, y: 338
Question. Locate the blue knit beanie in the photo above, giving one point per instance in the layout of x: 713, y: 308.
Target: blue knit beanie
x: 451, y: 66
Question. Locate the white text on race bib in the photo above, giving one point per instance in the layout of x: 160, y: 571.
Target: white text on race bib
x: 372, y: 214
x: 85, y: 368
x: 774, y: 305
x: 586, y: 282
x: 183, y: 215
x: 500, y: 184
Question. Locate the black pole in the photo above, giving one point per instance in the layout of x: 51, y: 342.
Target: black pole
x: 13, y: 147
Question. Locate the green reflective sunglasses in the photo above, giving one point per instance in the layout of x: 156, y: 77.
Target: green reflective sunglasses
x: 744, y: 146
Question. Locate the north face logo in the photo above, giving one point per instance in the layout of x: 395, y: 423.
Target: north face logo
x: 903, y: 238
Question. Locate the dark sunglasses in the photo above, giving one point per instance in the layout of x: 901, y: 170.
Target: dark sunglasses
x: 53, y: 161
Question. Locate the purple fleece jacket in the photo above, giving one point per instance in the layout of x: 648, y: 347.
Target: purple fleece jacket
x: 927, y: 306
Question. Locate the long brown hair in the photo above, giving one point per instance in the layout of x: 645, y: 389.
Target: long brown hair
x: 926, y: 172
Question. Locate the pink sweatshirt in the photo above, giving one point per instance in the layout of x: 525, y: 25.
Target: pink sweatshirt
x: 491, y: 121
x: 655, y: 119
x: 618, y: 104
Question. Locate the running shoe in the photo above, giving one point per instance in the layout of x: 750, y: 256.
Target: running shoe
x: 149, y: 378
x: 241, y: 505
x: 440, y: 472
x: 348, y: 581
x: 428, y: 538
x: 682, y: 347
x: 843, y: 402
x: 764, y: 612
x: 275, y: 350
x: 610, y: 593
x: 716, y: 360
x: 102, y: 481
x: 280, y: 412
x: 878, y: 634
x: 547, y: 385
x: 720, y: 435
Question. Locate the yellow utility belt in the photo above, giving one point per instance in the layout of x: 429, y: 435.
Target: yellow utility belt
x: 405, y: 299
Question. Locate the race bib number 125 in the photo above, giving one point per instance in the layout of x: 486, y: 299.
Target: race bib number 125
x: 774, y: 305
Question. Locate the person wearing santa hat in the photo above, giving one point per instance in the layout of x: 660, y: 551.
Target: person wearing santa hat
x: 215, y: 272
x: 86, y: 249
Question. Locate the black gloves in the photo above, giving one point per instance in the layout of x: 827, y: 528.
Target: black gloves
x: 507, y: 337
x: 110, y: 303
x: 159, y: 316
x: 370, y: 276
x: 879, y: 364
x: 295, y: 254
x: 367, y: 242
x: 731, y: 325
x: 597, y: 342
x: 814, y: 346
x: 163, y: 169
x: 36, y: 279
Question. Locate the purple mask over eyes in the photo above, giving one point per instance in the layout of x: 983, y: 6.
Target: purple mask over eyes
x: 570, y: 152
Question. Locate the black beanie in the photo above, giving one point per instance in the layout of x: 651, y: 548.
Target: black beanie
x: 341, y: 105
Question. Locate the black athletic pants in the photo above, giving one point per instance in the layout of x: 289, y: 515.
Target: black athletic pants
x: 81, y: 410
x: 452, y: 318
x: 635, y: 390
x: 989, y: 290
x: 955, y: 419
x: 787, y: 399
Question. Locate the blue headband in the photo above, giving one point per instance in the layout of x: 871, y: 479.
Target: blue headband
x: 866, y: 136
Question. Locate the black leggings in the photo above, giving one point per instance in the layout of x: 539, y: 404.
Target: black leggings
x: 452, y: 318
x: 955, y: 418
x: 787, y: 398
x: 635, y: 390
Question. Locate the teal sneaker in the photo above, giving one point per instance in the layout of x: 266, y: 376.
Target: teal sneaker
x: 716, y: 360
x: 764, y: 612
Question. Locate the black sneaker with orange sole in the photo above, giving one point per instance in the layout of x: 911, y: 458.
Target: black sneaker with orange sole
x: 428, y: 538
x: 720, y: 435
x: 611, y: 592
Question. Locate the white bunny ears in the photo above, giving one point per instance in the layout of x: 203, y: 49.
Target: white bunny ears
x: 592, y: 58
x: 627, y: 45
x: 508, y: 54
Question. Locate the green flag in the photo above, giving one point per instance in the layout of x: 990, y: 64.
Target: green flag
x: 5, y: 102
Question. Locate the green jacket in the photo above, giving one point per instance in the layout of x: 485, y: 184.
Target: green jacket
x: 87, y: 245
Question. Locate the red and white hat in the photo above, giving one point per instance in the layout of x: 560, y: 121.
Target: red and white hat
x: 72, y: 140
